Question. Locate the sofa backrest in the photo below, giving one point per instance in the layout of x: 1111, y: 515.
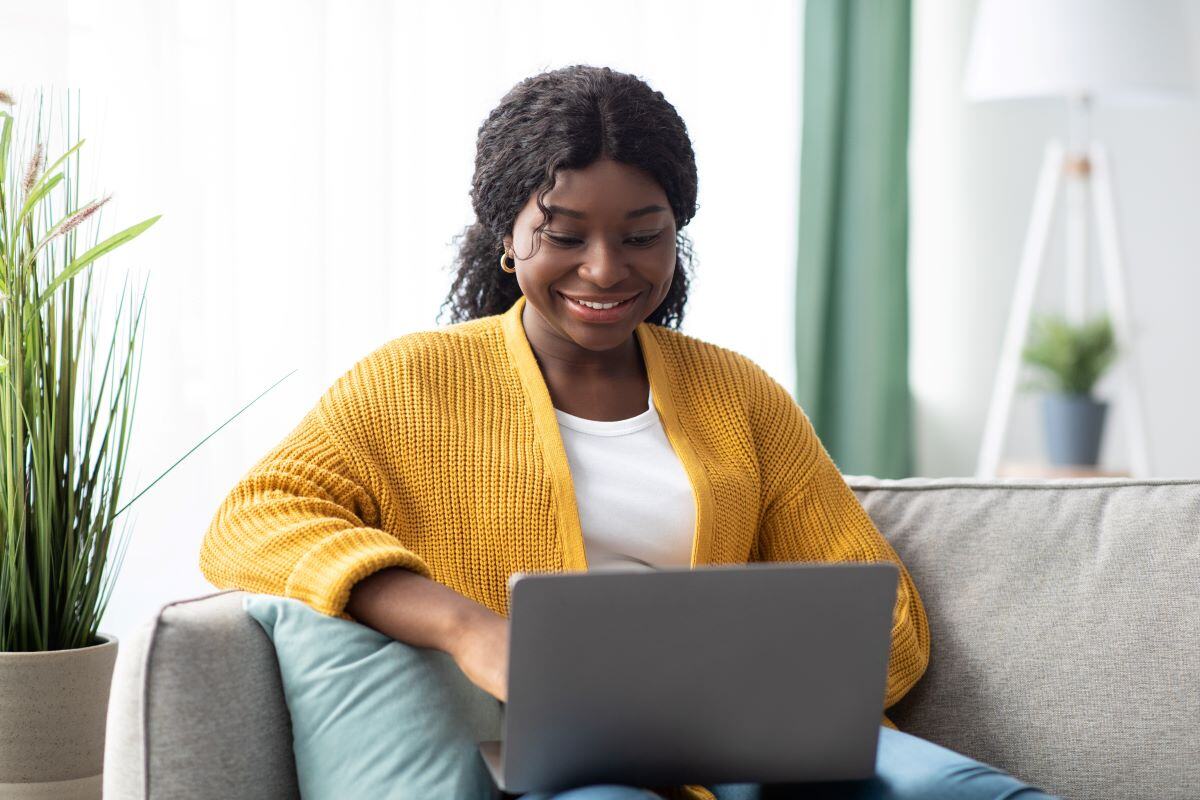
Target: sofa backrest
x: 197, y: 710
x: 1064, y: 625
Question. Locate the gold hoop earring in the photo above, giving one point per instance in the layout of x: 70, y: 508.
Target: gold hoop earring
x: 504, y: 255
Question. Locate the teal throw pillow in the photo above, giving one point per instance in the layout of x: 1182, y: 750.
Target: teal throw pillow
x: 375, y: 717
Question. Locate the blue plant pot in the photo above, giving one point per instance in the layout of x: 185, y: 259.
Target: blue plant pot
x: 1074, y: 427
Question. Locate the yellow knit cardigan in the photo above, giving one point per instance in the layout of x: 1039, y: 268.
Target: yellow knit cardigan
x: 440, y: 452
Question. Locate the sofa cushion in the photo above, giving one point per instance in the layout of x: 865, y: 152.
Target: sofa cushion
x: 1064, y: 622
x: 373, y: 716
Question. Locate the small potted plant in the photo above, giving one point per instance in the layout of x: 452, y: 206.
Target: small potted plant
x: 1072, y: 358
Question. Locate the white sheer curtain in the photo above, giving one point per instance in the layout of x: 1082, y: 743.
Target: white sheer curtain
x: 312, y: 160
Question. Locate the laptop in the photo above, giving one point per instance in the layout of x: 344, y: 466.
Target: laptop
x: 752, y: 673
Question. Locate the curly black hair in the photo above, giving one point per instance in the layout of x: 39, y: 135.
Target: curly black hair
x: 566, y: 119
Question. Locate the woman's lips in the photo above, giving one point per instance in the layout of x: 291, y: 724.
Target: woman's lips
x: 587, y: 314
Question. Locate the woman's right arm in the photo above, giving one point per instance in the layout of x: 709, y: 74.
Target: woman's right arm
x: 300, y: 524
x: 413, y: 609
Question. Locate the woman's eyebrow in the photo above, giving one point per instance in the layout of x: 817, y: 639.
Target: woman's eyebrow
x: 637, y: 212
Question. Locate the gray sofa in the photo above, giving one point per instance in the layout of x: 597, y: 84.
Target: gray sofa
x: 1065, y: 621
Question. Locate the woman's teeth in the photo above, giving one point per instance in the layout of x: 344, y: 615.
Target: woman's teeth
x: 596, y: 305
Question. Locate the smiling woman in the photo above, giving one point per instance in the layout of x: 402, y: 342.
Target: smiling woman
x: 598, y: 253
x: 562, y: 423
x: 601, y: 272
x: 580, y: 167
x: 584, y: 180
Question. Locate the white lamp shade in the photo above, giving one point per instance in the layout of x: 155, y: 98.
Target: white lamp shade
x: 1109, y: 50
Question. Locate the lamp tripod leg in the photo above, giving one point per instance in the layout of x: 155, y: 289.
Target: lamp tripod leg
x: 1032, y: 256
x: 1116, y: 294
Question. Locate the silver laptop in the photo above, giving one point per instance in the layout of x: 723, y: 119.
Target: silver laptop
x: 752, y: 673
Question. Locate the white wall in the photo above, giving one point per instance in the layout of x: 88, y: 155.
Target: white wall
x: 973, y: 170
x: 312, y: 160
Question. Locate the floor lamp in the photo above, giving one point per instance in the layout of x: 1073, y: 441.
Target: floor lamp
x: 1083, y: 52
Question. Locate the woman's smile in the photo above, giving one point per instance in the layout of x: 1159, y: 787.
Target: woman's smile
x: 588, y: 313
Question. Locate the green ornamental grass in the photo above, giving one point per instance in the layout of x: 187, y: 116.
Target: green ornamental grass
x: 66, y: 406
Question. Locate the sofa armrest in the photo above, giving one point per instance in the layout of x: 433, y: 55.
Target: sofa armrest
x: 197, y: 709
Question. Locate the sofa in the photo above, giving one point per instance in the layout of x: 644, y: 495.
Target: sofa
x: 1064, y: 617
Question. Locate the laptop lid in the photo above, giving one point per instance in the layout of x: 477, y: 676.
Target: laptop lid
x: 764, y: 672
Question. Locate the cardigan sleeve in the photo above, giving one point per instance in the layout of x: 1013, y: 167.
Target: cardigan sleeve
x: 300, y: 525
x: 811, y: 514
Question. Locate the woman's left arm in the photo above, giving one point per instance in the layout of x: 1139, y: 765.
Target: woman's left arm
x: 811, y: 514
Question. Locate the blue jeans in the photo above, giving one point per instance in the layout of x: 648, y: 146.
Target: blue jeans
x: 907, y: 768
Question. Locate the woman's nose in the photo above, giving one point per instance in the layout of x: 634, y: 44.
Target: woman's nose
x: 604, y: 264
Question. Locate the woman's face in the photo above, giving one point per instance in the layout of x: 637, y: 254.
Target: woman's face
x: 611, y: 236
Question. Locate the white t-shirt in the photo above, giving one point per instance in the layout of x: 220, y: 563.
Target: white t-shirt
x: 635, y: 502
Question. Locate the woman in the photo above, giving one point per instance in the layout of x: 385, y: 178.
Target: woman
x: 563, y: 423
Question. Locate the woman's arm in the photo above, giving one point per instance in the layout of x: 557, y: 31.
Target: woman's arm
x: 822, y: 520
x: 811, y: 514
x: 411, y: 608
x: 299, y: 525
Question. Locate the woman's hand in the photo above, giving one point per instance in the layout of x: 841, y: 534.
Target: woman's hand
x: 481, y: 650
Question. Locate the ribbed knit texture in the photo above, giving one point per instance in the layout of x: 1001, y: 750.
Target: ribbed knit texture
x: 439, y: 452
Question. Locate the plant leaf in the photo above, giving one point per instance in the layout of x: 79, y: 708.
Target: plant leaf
x: 5, y: 140
x: 40, y: 190
x: 109, y: 244
x: 42, y: 186
x: 1075, y: 356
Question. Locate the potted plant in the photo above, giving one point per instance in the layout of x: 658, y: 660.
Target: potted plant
x: 1072, y: 358
x: 66, y: 408
x: 60, y: 470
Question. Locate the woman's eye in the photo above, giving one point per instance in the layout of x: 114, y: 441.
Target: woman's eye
x: 644, y: 240
x: 640, y: 241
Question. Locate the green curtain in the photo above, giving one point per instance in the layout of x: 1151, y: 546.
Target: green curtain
x: 852, y: 267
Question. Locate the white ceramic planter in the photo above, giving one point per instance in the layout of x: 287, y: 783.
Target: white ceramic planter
x: 53, y: 706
